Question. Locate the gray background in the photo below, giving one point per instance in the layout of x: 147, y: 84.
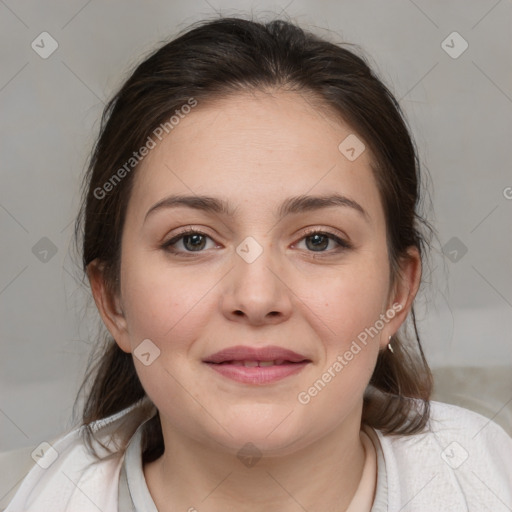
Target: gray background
x: 459, y: 110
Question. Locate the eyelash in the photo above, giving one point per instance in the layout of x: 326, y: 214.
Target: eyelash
x: 343, y: 244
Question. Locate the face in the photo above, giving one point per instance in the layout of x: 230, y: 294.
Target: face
x: 312, y: 280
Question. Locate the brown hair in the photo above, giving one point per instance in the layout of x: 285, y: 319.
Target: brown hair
x: 215, y: 59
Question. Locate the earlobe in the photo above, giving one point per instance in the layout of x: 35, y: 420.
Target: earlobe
x: 108, y: 304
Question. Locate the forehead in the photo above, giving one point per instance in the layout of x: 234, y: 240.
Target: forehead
x: 255, y: 148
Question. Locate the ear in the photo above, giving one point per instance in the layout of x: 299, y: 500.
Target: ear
x: 402, y: 295
x: 108, y: 304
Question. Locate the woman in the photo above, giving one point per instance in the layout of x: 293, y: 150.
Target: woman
x: 253, y: 245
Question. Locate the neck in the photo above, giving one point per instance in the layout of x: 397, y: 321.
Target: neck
x: 323, y: 476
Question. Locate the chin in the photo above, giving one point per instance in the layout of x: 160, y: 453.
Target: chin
x: 271, y: 430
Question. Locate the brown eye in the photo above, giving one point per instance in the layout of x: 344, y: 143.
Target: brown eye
x: 191, y: 241
x: 318, y: 241
x: 194, y: 242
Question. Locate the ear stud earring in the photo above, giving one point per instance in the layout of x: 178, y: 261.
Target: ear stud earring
x: 390, y: 347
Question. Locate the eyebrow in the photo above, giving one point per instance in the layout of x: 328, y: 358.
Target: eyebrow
x: 292, y: 205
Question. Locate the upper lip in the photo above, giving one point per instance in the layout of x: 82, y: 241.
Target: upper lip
x: 243, y: 353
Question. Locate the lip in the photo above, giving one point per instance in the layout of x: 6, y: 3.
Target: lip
x: 244, y: 353
x: 292, y: 363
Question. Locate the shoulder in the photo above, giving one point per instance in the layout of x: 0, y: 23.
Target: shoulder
x: 464, y: 434
x: 461, y: 458
x: 452, y: 416
x: 475, y: 433
x: 69, y: 476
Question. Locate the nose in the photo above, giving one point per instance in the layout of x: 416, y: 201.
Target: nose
x: 256, y: 292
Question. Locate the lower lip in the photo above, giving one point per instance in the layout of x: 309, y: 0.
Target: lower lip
x: 257, y: 374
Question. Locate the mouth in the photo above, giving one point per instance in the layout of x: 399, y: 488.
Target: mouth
x: 256, y: 365
x: 253, y: 363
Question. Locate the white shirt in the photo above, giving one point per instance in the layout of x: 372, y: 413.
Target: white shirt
x: 462, y: 463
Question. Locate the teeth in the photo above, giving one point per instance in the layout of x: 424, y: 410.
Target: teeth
x: 252, y: 364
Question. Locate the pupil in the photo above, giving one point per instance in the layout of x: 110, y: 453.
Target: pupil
x: 318, y: 238
x: 195, y: 239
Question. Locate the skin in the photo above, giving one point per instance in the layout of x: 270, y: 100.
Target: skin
x: 254, y: 151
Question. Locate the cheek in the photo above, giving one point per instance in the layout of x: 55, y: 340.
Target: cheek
x: 350, y: 300
x: 350, y: 348
x: 163, y: 303
x: 168, y: 308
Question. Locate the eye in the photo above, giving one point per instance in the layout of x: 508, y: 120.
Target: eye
x: 318, y: 241
x: 192, y: 240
